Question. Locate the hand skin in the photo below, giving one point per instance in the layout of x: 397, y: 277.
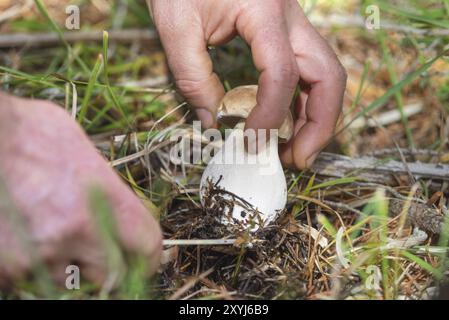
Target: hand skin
x: 48, y: 166
x: 286, y: 49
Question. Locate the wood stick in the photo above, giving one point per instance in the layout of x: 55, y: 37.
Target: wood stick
x: 376, y: 170
x: 48, y: 39
x: 387, y: 117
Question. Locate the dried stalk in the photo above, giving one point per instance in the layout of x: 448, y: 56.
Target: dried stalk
x: 377, y: 170
x: 198, y: 242
x: 48, y: 39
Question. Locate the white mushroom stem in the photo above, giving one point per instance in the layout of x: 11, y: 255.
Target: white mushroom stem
x: 251, y: 187
x: 245, y: 189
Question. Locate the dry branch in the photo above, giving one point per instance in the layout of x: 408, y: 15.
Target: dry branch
x: 357, y: 21
x: 377, y: 170
x: 48, y: 39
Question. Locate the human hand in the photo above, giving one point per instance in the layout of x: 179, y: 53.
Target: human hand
x: 47, y: 166
x: 287, y: 51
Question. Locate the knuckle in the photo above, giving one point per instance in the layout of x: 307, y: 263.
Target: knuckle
x: 189, y: 88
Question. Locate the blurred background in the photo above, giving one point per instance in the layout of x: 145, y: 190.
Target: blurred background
x: 397, y: 97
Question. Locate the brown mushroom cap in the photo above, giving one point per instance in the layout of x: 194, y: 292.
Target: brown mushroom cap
x: 237, y: 104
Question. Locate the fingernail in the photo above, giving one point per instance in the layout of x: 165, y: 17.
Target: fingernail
x: 311, y: 159
x: 206, y: 117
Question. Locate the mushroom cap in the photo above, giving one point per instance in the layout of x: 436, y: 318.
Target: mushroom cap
x: 237, y: 104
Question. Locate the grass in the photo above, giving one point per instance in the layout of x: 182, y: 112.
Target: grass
x: 90, y: 86
x: 287, y: 260
x: 395, y: 89
x: 398, y: 95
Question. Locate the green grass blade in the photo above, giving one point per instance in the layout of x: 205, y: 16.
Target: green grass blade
x: 43, y: 10
x: 309, y: 185
x: 394, y: 80
x: 378, y: 207
x: 423, y: 18
x: 423, y: 264
x: 334, y: 182
x: 295, y: 182
x: 106, y: 225
x: 443, y: 242
x: 324, y: 221
x: 110, y: 91
x: 90, y: 87
x: 356, y: 100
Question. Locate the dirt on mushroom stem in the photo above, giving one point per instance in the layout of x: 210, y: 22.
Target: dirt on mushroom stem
x: 220, y: 204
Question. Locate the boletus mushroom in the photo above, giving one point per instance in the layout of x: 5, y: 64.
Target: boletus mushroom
x: 249, y: 194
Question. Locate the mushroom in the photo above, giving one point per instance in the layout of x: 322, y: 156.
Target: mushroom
x: 249, y: 194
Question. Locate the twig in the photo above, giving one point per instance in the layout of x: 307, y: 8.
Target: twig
x: 387, y: 117
x: 408, y: 152
x: 198, y: 242
x: 391, y: 190
x: 189, y: 284
x: 138, y: 154
x: 372, y: 169
x: 343, y: 206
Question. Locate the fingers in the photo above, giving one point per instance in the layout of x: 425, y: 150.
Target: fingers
x: 140, y: 233
x: 322, y: 110
x: 184, y: 43
x: 267, y: 35
x: 284, y: 46
x: 319, y: 106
